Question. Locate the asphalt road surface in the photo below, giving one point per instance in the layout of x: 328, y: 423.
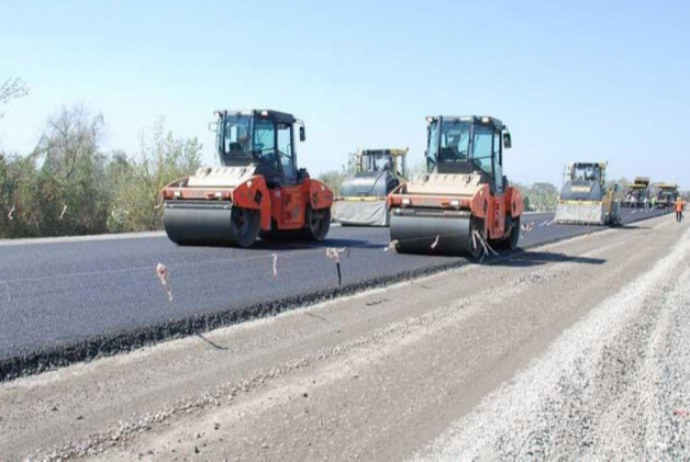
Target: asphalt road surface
x: 575, y: 350
x: 86, y: 297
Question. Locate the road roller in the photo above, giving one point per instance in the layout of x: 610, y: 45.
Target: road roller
x: 585, y: 198
x: 637, y: 194
x: 362, y: 198
x: 464, y: 201
x: 666, y: 195
x: 257, y: 191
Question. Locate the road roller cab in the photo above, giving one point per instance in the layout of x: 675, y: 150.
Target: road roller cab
x: 464, y: 198
x: 258, y: 190
x: 362, y: 198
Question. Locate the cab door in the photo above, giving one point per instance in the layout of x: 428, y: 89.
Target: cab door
x: 486, y: 155
x: 292, y: 205
x: 499, y: 198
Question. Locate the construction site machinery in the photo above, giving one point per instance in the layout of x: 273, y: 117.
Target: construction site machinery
x: 585, y: 198
x: 258, y: 189
x: 464, y: 201
x: 666, y: 195
x: 637, y: 194
x: 362, y: 198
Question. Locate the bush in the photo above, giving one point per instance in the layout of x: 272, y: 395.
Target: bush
x: 68, y: 186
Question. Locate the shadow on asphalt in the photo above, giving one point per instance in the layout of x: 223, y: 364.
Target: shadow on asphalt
x: 632, y: 227
x: 301, y: 244
x: 528, y: 258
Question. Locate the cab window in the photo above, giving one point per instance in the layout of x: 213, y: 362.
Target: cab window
x: 482, y: 149
x: 265, y: 141
x: 285, y: 151
x: 498, y: 168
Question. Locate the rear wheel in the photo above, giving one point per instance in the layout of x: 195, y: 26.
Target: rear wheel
x: 246, y: 225
x: 511, y: 242
x: 318, y: 223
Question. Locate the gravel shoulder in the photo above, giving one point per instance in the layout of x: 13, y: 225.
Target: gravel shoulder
x: 580, y: 341
x: 613, y: 387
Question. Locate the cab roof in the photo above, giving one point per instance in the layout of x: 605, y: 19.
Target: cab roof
x: 474, y: 119
x: 668, y: 185
x: 601, y: 165
x: 280, y: 117
x: 387, y: 151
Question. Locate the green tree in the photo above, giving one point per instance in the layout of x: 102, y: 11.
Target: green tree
x: 17, y: 186
x: 162, y: 158
x: 69, y: 197
x: 543, y: 196
x: 10, y: 89
x: 334, y: 179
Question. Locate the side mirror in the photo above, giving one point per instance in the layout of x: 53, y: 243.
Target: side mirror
x: 302, y: 134
x: 507, y: 143
x: 213, y: 126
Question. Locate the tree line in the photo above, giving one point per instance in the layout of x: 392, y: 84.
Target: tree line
x: 68, y: 185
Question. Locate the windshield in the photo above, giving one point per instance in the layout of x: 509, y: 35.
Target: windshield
x: 236, y: 136
x: 377, y: 162
x: 586, y: 173
x: 449, y: 144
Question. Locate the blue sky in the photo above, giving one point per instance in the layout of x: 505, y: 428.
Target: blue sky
x: 587, y: 80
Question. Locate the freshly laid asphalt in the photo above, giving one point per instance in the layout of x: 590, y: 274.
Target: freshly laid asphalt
x: 66, y: 301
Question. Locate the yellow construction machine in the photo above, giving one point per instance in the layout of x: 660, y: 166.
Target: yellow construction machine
x: 585, y: 198
x: 362, y: 198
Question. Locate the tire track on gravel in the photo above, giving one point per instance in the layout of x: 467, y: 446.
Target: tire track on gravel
x: 615, y: 386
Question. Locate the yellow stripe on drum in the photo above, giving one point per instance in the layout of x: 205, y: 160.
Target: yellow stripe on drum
x: 360, y: 199
x: 580, y: 202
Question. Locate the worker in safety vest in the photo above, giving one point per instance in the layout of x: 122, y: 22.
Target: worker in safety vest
x: 680, y: 206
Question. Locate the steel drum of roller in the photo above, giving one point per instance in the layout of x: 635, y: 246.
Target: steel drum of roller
x: 417, y: 234
x: 210, y: 223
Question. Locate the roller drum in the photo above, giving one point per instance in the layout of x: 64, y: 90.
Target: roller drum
x: 416, y: 234
x: 202, y: 223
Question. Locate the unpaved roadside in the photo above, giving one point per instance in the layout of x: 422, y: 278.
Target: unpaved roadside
x: 616, y: 386
x: 377, y: 376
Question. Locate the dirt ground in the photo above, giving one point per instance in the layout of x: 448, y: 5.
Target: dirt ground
x: 578, y: 350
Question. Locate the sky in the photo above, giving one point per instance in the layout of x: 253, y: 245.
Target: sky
x: 589, y: 80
